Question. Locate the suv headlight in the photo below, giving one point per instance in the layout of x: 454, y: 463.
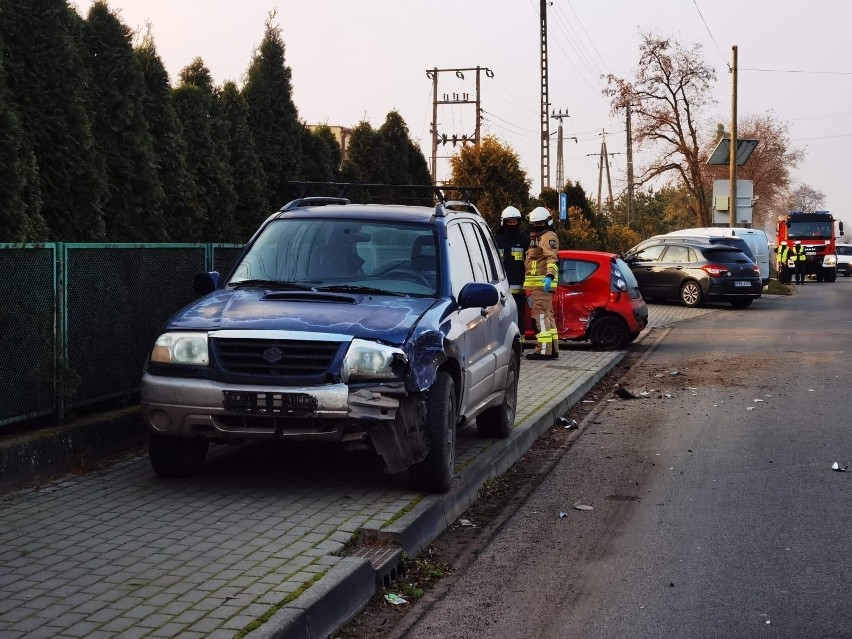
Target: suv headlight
x: 181, y: 348
x: 370, y: 361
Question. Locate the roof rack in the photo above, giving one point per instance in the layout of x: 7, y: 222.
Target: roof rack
x: 331, y: 190
x: 313, y: 201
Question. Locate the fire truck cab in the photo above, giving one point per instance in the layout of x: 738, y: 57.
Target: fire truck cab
x: 816, y: 233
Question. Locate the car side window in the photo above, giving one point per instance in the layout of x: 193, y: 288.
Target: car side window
x: 676, y: 254
x: 489, y: 249
x: 461, y: 270
x: 649, y: 253
x: 575, y: 271
x: 481, y: 270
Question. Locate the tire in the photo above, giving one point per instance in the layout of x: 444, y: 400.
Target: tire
x: 690, y: 294
x: 176, y: 457
x: 609, y: 333
x: 500, y: 420
x: 633, y: 336
x: 742, y: 303
x: 435, y: 472
x: 831, y: 277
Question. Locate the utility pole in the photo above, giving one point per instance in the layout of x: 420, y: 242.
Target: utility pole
x: 455, y: 98
x: 631, y: 203
x: 560, y: 172
x: 545, y: 103
x: 604, y: 161
x: 732, y: 160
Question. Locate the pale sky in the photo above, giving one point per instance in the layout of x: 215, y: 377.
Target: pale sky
x: 358, y: 60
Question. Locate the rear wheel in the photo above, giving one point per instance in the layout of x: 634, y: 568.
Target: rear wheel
x: 609, y: 333
x: 176, y: 457
x: 690, y: 294
x: 435, y: 472
x: 742, y: 303
x: 500, y: 420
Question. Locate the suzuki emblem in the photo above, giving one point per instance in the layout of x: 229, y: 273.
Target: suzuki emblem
x: 273, y: 355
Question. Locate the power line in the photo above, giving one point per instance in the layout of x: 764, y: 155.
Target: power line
x: 799, y: 71
x: 592, y: 42
x: 711, y: 35
x: 562, y: 22
x: 824, y: 137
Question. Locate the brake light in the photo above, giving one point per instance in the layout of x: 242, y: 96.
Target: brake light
x: 756, y: 269
x: 715, y: 270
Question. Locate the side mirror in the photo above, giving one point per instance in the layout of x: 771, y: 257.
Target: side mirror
x: 840, y: 226
x: 478, y: 295
x: 204, y: 283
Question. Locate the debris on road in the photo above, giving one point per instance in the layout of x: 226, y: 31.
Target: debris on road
x: 838, y: 468
x: 674, y: 373
x: 758, y: 400
x: 395, y: 599
x: 579, y: 506
x: 567, y: 423
x: 749, y: 407
x: 466, y: 523
x: 623, y: 393
x: 562, y: 514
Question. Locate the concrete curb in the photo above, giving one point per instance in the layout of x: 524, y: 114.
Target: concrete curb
x: 335, y: 599
x: 34, y: 455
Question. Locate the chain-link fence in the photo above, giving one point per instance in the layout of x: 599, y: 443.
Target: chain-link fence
x: 78, y: 320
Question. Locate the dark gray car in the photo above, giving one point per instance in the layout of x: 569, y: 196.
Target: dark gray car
x: 694, y: 272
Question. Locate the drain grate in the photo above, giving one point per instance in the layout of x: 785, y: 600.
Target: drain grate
x: 385, y: 560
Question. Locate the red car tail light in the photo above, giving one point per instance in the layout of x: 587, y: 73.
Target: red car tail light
x: 715, y: 270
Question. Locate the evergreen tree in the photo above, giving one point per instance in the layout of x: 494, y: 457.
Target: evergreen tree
x: 248, y: 175
x: 184, y: 218
x: 20, y: 201
x: 365, y: 163
x: 198, y: 110
x: 335, y: 155
x: 46, y: 78
x: 273, y: 117
x: 133, y: 208
x: 404, y: 161
x: 319, y: 163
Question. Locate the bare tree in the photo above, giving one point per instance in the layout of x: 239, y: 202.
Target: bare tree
x: 805, y: 198
x: 769, y: 165
x: 668, y: 95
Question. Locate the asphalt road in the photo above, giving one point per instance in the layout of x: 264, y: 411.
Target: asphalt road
x: 715, y: 509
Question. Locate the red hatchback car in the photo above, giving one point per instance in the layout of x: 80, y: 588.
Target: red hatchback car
x: 597, y: 299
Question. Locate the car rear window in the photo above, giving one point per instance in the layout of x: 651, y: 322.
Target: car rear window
x: 725, y: 255
x: 736, y: 243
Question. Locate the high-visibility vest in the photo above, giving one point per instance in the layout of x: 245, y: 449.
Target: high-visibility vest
x: 782, y: 254
x: 799, y: 253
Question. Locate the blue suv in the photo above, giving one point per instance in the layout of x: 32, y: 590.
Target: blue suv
x: 364, y: 325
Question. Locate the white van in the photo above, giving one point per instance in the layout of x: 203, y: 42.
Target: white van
x: 755, y: 239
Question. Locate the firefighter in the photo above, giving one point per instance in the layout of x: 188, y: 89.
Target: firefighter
x: 542, y: 273
x: 784, y: 275
x: 512, y: 243
x: 798, y: 254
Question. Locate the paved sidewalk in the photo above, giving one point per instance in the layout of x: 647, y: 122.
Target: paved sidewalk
x: 230, y: 553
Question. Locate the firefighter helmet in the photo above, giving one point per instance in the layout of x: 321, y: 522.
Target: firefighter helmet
x: 510, y: 212
x: 541, y: 214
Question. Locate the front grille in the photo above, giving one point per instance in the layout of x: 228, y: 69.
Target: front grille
x: 281, y: 358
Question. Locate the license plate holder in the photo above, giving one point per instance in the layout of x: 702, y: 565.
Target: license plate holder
x: 255, y: 403
x: 742, y: 283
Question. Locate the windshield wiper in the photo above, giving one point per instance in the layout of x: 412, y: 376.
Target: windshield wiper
x: 351, y: 288
x: 278, y: 284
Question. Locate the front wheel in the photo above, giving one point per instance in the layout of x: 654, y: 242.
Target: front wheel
x: 434, y: 473
x: 690, y: 294
x: 500, y: 420
x: 176, y: 457
x: 609, y: 333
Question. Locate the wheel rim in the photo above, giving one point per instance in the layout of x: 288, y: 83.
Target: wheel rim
x: 690, y: 294
x: 610, y: 335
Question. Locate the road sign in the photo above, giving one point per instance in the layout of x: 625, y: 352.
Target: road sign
x: 563, y: 206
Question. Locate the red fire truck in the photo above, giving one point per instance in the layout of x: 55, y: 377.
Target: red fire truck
x: 816, y: 233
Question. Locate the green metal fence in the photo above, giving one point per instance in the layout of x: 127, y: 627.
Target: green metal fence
x: 78, y: 320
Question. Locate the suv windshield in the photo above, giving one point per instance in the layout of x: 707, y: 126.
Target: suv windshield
x: 369, y: 256
x: 844, y: 250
